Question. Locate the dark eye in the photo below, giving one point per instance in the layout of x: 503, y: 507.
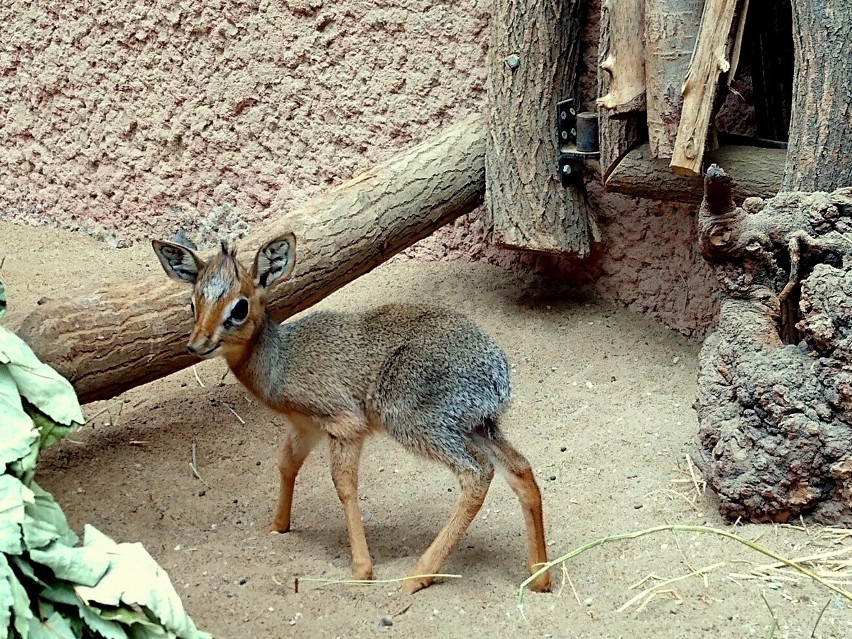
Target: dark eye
x: 240, y: 311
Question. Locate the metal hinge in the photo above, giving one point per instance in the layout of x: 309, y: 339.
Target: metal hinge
x: 578, y: 140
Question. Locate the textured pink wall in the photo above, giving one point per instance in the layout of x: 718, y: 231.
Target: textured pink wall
x: 125, y: 120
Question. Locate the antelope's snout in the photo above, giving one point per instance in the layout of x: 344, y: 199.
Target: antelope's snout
x: 203, y: 345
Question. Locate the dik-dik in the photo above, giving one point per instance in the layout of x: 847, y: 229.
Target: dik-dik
x: 428, y: 377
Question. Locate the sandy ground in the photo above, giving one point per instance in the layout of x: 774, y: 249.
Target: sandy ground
x: 602, y: 409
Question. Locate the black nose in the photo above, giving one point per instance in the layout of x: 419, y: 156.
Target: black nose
x: 191, y: 349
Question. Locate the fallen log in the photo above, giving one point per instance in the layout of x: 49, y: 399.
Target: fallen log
x: 641, y: 175
x: 129, y: 333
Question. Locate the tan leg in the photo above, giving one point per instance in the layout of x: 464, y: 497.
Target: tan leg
x: 295, y: 449
x: 516, y: 469
x: 345, y: 456
x: 474, y: 487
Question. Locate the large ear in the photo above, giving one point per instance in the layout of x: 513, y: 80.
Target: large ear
x: 275, y: 260
x: 179, y: 262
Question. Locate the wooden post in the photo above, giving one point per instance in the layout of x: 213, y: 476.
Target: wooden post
x: 617, y: 134
x: 129, y: 333
x: 699, y: 90
x: 533, y: 61
x: 671, y: 27
x: 819, y: 157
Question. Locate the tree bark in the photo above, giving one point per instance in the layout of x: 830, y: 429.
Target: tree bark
x: 129, y: 333
x: 617, y: 134
x: 819, y: 157
x: 769, y: 38
x: 671, y: 27
x: 641, y: 175
x: 699, y: 89
x: 533, y: 62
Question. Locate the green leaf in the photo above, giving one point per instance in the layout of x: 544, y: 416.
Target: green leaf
x: 25, y: 568
x: 78, y: 565
x: 135, y: 578
x: 45, y: 522
x: 49, y: 431
x: 6, y: 599
x: 16, y: 429
x: 57, y: 627
x: 23, y: 619
x: 39, y: 383
x: 13, y: 497
x: 63, y: 593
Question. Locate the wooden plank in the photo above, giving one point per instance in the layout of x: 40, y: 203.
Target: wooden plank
x: 759, y: 173
x: 671, y: 27
x: 625, y: 59
x: 709, y: 60
x: 128, y: 333
x: 617, y: 134
x: 533, y: 63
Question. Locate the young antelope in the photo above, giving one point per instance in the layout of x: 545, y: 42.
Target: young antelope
x: 427, y: 377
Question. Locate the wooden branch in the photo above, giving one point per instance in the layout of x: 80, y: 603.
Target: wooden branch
x: 699, y: 90
x: 641, y: 175
x: 671, y: 27
x: 129, y: 333
x: 820, y: 153
x: 533, y: 63
x: 617, y: 134
x: 625, y: 61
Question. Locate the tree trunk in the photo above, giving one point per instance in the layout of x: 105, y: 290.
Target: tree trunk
x: 671, y: 27
x: 625, y: 59
x: 129, y: 333
x: 699, y: 89
x: 640, y: 175
x: 617, y: 134
x: 774, y: 419
x: 819, y: 157
x: 532, y: 65
x: 769, y: 42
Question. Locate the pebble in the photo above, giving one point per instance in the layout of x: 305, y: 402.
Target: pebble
x: 385, y: 622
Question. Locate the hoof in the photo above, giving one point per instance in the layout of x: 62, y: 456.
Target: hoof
x: 275, y: 529
x: 363, y: 574
x: 542, y: 584
x: 410, y: 586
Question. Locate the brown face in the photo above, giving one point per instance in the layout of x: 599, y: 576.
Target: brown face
x: 228, y: 301
x: 227, y: 307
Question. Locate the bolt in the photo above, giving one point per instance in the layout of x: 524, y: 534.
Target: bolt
x: 573, y: 111
x: 566, y: 169
x: 565, y: 135
x: 574, y: 132
x: 513, y: 61
x: 563, y: 115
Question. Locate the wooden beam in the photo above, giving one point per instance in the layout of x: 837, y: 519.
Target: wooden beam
x: 759, y: 172
x: 128, y: 333
x: 709, y: 60
x: 533, y: 59
x: 671, y: 27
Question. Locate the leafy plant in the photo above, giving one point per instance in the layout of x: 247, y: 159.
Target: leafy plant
x: 49, y: 585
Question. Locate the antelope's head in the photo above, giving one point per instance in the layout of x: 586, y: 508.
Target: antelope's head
x: 228, y: 300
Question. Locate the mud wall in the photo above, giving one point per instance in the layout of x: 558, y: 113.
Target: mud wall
x: 125, y: 120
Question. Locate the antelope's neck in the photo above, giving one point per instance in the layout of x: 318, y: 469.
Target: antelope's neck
x: 259, y: 364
